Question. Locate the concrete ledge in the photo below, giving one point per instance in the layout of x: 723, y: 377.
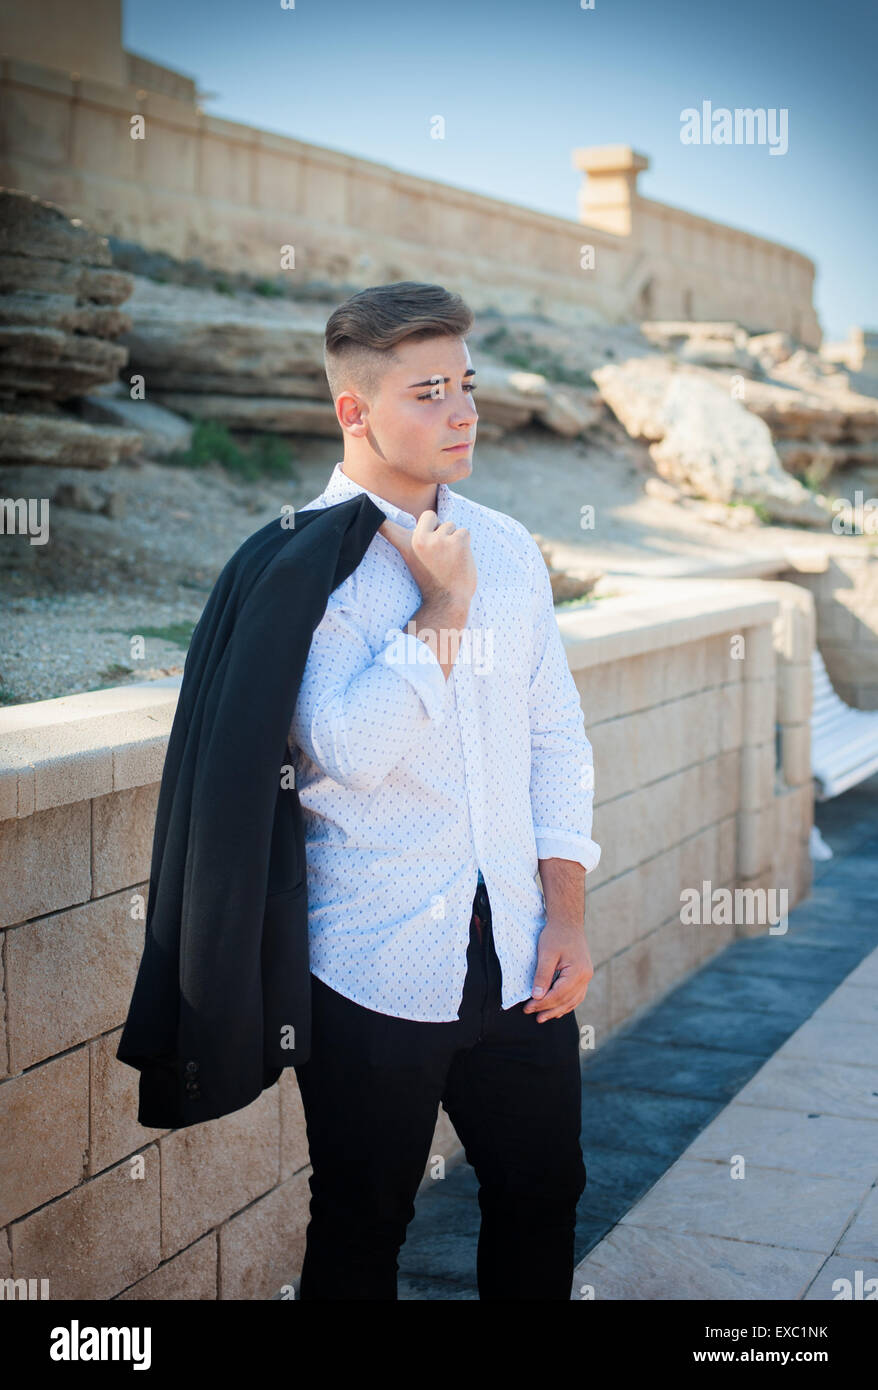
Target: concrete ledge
x: 54, y: 752
x: 673, y: 613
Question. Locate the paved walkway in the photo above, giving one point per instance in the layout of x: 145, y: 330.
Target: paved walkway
x: 768, y: 1053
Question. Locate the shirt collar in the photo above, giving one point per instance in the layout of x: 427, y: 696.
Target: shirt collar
x: 340, y: 487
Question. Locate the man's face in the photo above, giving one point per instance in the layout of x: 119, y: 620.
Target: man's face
x: 424, y: 407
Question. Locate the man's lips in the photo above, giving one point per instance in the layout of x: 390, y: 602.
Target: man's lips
x: 458, y: 448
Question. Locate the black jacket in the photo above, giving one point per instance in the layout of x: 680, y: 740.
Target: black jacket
x: 222, y: 1000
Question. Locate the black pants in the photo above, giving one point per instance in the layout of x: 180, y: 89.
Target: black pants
x: 371, y: 1091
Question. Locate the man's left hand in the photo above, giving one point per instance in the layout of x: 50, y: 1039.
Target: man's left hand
x: 562, y: 952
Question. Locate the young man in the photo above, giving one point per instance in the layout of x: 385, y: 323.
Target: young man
x: 438, y: 733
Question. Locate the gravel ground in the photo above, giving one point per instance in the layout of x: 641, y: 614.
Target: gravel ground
x: 71, y: 607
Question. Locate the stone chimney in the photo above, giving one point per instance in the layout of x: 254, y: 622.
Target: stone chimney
x: 607, y: 195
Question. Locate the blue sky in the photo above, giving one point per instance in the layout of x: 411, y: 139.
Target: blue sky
x: 520, y: 85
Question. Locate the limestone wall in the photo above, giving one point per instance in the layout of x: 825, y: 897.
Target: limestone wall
x: 844, y: 586
x: 686, y: 790
x: 233, y: 196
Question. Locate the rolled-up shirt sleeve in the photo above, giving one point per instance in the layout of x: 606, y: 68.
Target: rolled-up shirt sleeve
x: 358, y: 712
x: 562, y: 765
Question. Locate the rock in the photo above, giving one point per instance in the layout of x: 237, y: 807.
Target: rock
x: 770, y: 348
x: 671, y: 333
x: 721, y: 449
x: 213, y: 383
x: 569, y: 411
x: 792, y: 414
x: 62, y: 441
x: 635, y: 392
x: 59, y: 312
x: 702, y: 439
x: 162, y: 431
x: 819, y: 413
x: 31, y: 227
x: 114, y: 505
x: 26, y: 307
x: 565, y: 586
x: 715, y: 352
x: 53, y: 365
x: 196, y: 332
x: 101, y: 286
x: 664, y: 492
x: 79, y: 497
x: 274, y: 415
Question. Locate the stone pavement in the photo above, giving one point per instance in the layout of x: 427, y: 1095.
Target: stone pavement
x: 768, y: 1053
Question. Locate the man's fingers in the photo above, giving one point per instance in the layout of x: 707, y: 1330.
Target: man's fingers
x: 543, y: 985
x: 398, y: 535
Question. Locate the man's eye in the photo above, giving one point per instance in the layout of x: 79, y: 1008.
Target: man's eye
x: 428, y: 395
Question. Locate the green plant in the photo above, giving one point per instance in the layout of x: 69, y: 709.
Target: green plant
x: 180, y: 634
x: 115, y: 672
x: 267, y: 288
x: 212, y: 442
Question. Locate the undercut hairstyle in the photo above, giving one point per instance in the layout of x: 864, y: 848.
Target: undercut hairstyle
x: 362, y: 333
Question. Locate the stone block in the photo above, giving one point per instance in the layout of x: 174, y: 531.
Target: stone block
x: 262, y: 1248
x: 293, y: 1137
x: 97, y: 1239
x: 44, y: 1118
x: 794, y: 692
x: 34, y: 882
x: 115, y: 1131
x: 70, y: 977
x: 759, y: 655
x: 123, y: 824
x: 756, y: 838
x: 212, y: 1170
x: 757, y: 775
x: 796, y: 754
x: 729, y: 707
x: 758, y: 711
x: 188, y: 1277
x: 594, y: 1010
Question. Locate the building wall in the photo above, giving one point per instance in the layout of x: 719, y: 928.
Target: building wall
x: 233, y: 196
x: 686, y: 790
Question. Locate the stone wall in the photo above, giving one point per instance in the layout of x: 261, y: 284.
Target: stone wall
x: 233, y: 195
x: 686, y: 790
x: 844, y: 586
x: 689, y: 267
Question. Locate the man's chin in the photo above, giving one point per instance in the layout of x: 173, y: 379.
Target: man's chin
x: 460, y: 464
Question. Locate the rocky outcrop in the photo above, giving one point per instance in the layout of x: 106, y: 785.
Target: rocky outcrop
x: 818, y: 423
x: 59, y: 318
x: 704, y: 440
x: 59, y: 310
x: 51, y: 437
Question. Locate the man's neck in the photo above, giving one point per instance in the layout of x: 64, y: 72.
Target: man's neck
x: 416, y: 498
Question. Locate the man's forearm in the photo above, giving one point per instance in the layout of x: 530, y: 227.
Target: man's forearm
x: 439, y: 624
x: 563, y: 882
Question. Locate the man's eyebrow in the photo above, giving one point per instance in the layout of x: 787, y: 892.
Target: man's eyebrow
x: 434, y: 381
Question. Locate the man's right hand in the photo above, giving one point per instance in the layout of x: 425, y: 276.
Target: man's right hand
x: 441, y: 563
x: 439, y: 557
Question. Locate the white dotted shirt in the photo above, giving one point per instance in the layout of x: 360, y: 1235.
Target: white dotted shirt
x: 410, y: 783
